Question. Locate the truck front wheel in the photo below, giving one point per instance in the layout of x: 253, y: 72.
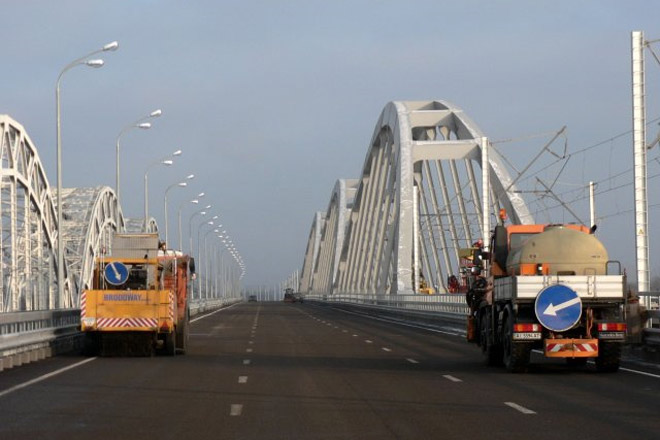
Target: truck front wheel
x: 491, y: 350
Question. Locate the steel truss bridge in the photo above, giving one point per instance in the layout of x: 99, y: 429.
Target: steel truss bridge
x: 418, y: 201
x: 29, y: 229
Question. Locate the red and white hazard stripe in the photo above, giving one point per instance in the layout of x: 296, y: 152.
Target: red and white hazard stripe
x: 126, y: 322
x: 83, y: 304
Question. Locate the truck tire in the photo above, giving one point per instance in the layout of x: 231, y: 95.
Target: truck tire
x: 491, y: 350
x: 609, y: 357
x: 90, y: 344
x: 169, y: 344
x: 183, y: 335
x: 515, y: 354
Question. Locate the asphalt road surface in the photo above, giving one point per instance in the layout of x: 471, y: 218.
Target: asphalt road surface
x: 299, y: 371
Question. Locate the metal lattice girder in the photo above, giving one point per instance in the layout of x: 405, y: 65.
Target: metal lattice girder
x: 28, y: 271
x: 414, y: 206
x: 90, y: 216
x: 136, y: 225
x: 311, y: 252
x: 332, y: 236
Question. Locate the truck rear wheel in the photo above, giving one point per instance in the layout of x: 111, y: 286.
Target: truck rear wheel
x: 491, y: 350
x: 609, y: 357
x: 169, y: 344
x: 182, y: 334
x: 516, y: 354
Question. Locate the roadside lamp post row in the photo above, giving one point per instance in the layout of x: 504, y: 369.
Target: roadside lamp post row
x: 86, y: 61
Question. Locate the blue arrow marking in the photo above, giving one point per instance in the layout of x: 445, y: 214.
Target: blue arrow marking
x: 558, y: 307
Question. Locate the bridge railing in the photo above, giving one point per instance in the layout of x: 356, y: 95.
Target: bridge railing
x: 30, y: 336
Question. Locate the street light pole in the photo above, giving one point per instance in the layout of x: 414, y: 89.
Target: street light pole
x: 135, y: 124
x: 163, y: 161
x: 182, y: 185
x: 195, y: 201
x: 60, y: 229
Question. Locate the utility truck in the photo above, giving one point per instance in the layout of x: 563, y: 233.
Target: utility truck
x: 546, y: 287
x: 139, y: 299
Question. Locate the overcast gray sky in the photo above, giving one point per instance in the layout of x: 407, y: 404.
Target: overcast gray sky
x: 272, y: 101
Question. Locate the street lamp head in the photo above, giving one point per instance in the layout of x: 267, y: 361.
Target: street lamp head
x: 201, y: 194
x: 203, y: 213
x: 144, y: 125
x: 207, y: 207
x: 195, y: 201
x: 182, y: 184
x: 177, y: 153
x: 156, y: 113
x: 190, y: 176
x: 167, y: 162
x: 215, y: 217
x: 94, y: 63
x: 111, y: 46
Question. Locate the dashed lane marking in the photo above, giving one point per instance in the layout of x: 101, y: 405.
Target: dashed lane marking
x: 520, y: 408
x: 368, y: 341
x: 246, y: 361
x: 412, y: 361
x: 236, y: 410
x: 248, y: 350
x: 386, y: 349
x: 242, y: 379
x: 452, y: 378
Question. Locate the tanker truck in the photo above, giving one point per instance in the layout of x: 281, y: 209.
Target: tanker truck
x: 550, y: 288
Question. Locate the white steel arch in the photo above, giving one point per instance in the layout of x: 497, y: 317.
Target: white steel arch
x: 418, y: 200
x: 311, y: 252
x: 28, y: 269
x: 332, y: 236
x: 90, y: 217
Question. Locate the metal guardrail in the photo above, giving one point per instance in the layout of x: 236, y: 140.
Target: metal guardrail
x: 30, y: 336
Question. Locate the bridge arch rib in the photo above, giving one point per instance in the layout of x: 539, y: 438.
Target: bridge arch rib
x: 418, y: 200
x: 91, y: 215
x: 28, y: 269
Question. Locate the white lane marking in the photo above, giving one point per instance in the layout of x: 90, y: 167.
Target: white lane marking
x: 520, y: 408
x: 452, y: 378
x: 251, y: 342
x: 355, y: 336
x: 368, y: 341
x: 44, y: 377
x: 386, y: 349
x: 412, y: 361
x: 249, y: 350
x: 643, y: 373
x: 345, y: 331
x: 213, y: 313
x: 235, y: 410
x: 242, y: 379
x: 246, y: 361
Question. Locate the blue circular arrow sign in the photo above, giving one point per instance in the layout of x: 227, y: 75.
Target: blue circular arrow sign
x: 558, y: 308
x: 116, y: 273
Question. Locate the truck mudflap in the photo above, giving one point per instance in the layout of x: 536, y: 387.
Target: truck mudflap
x: 571, y: 348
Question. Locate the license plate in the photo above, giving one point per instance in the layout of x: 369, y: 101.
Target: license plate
x: 527, y: 336
x: 612, y: 335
